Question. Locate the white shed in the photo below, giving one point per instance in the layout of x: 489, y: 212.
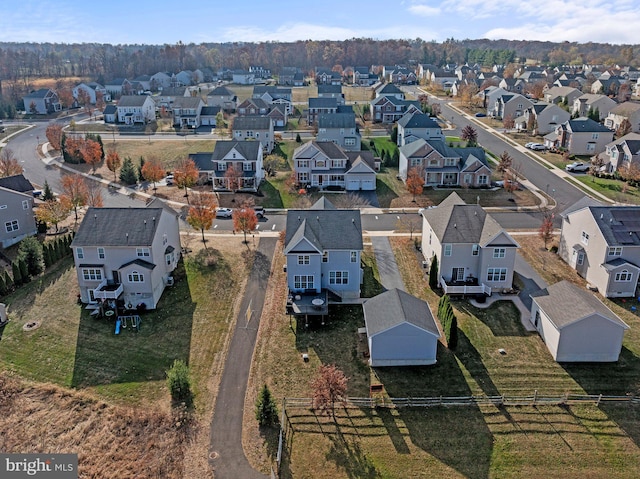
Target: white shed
x: 575, y: 325
x: 401, y: 330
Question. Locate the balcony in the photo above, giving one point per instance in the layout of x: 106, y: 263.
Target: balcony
x: 107, y: 290
x: 470, y: 286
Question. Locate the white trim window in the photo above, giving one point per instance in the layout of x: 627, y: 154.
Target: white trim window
x: 447, y: 249
x: 338, y: 277
x: 499, y: 252
x: 246, y: 166
x: 303, y: 177
x: 143, y: 252
x: 303, y: 163
x: 11, y: 226
x: 169, y: 258
x: 222, y: 166
x: 304, y: 259
x: 584, y: 237
x: 79, y: 253
x: 136, y: 277
x: 624, y: 276
x: 496, y: 274
x: 483, y: 180
x: 353, y: 257
x: 615, y: 251
x: 101, y: 253
x: 303, y: 281
x: 475, y: 250
x: 92, y: 274
x: 25, y: 204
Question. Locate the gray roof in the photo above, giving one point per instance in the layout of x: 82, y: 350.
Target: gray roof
x: 324, y: 102
x: 329, y: 148
x: 118, y: 227
x: 325, y: 229
x: 132, y: 100
x: 41, y: 93
x: 583, y: 202
x: 257, y: 102
x: 453, y: 221
x: 364, y: 156
x: 619, y: 225
x: 337, y: 120
x: 553, y: 300
x: 389, y: 89
x: 221, y: 91
x: 210, y: 110
x: 585, y: 125
x: 202, y: 160
x: 329, y: 89
x: 110, y: 110
x: 252, y: 123
x: 187, y: 102
x: 395, y: 307
x: 248, y: 149
x: 16, y: 183
x: 417, y: 120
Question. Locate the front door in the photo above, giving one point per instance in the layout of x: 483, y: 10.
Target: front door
x: 458, y: 274
x: 116, y: 277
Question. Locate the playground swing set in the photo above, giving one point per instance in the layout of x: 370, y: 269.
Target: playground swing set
x: 131, y: 321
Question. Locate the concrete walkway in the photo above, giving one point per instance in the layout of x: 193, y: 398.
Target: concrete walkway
x: 531, y: 282
x: 387, y: 266
x: 227, y: 457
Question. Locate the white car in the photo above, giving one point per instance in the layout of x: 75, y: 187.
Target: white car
x: 536, y: 146
x: 169, y: 180
x: 224, y: 212
x: 577, y: 166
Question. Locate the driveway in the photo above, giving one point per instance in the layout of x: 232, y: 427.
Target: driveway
x: 227, y: 457
x: 387, y: 266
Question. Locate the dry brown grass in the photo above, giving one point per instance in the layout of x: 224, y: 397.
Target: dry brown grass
x: 111, y: 441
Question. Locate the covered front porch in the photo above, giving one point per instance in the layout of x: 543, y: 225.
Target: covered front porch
x: 325, y: 180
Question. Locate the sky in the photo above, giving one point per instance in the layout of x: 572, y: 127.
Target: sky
x: 219, y: 21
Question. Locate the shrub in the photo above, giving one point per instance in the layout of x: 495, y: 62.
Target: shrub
x: 433, y: 273
x: 266, y: 409
x: 17, y: 275
x: 179, y: 383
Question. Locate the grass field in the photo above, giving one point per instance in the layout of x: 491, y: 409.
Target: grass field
x: 485, y: 442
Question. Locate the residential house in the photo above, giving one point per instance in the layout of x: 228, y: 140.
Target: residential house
x: 331, y: 91
x: 544, y: 117
x: 246, y: 160
x: 209, y: 115
x: 490, y: 97
x: 389, y: 109
x: 182, y: 78
x: 423, y: 71
x: 401, y: 330
x: 186, y: 112
x: 126, y: 256
x: 16, y: 210
x: 510, y: 105
x: 259, y: 128
x: 580, y: 136
x: 223, y: 97
x: 92, y: 90
x: 159, y: 81
x: 562, y: 94
x: 602, y: 243
x: 274, y: 95
x: 588, y: 331
x: 512, y: 85
x: 362, y: 76
x: 320, y: 106
x: 415, y: 125
x: 624, y: 111
x: 606, y: 86
x: 42, y: 102
x: 323, y: 246
x: 144, y: 81
x: 110, y: 113
x: 620, y: 154
x: 324, y: 165
x: 119, y: 86
x: 590, y: 102
x: 136, y: 109
x: 291, y: 76
x: 253, y: 106
x: 278, y: 115
x: 443, y: 165
x: 341, y: 129
x: 401, y: 75
x: 325, y: 76
x: 389, y: 89
x: 475, y: 254
x: 168, y: 95
x: 243, y: 77
x: 442, y: 78
x: 260, y: 72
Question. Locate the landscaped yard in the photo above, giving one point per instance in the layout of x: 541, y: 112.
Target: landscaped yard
x: 531, y: 441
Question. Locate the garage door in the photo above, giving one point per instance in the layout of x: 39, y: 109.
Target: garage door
x: 353, y: 185
x: 368, y: 185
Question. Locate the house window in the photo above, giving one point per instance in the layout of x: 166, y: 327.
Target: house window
x: 584, y: 237
x: 349, y: 142
x: 164, y: 239
x: 303, y: 177
x: 450, y: 162
x: 12, y: 226
x: 354, y: 256
x: 433, y: 162
x: 580, y: 258
x: 101, y: 253
x: 320, y: 163
x: 499, y: 252
x: 303, y: 163
x: 496, y: 274
x: 168, y: 258
x: 79, y: 253
x: 325, y: 257
x: 249, y: 133
x: 246, y: 166
x: 222, y: 165
x: 447, y: 250
x: 303, y: 282
x: 475, y: 249
x: 483, y: 179
x: 136, y: 277
x: 143, y: 252
x: 624, y: 276
x: 338, y: 277
x: 615, y: 251
x: 594, y: 136
x: 25, y: 204
x: 92, y: 274
x: 591, y: 147
x: 303, y: 259
x: 416, y: 161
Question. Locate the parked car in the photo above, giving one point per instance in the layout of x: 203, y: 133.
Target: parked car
x: 259, y: 211
x: 224, y: 212
x: 577, y: 166
x: 169, y: 180
x: 536, y: 146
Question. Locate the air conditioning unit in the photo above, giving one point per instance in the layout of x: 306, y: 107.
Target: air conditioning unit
x: 169, y: 281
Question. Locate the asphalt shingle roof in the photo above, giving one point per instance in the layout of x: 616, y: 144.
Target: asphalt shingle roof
x: 395, y: 307
x: 16, y: 183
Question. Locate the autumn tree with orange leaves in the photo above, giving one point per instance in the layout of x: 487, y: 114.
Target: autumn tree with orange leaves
x: 234, y: 178
x: 415, y: 182
x: 186, y: 175
x: 74, y: 190
x: 245, y: 220
x: 91, y: 153
x: 9, y: 165
x: 53, y: 211
x: 113, y: 162
x: 54, y: 135
x: 153, y: 171
x: 202, y: 212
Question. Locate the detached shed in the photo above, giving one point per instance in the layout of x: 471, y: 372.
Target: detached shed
x: 575, y: 325
x: 401, y: 330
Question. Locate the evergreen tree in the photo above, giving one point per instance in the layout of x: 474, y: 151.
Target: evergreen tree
x: 46, y: 254
x: 3, y: 287
x: 17, y: 276
x: 140, y: 175
x: 31, y: 250
x: 47, y: 194
x: 298, y: 139
x: 396, y: 158
x: 394, y: 134
x: 452, y: 340
x: 433, y: 273
x: 24, y: 269
x: 179, y: 383
x: 266, y: 409
x: 127, y: 172
x: 8, y: 281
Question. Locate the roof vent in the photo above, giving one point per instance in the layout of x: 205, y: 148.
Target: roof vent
x: 455, y: 225
x: 353, y: 220
x: 317, y: 218
x: 601, y: 215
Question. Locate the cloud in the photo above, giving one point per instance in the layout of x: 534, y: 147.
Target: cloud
x: 424, y: 10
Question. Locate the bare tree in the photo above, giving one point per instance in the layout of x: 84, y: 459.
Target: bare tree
x: 9, y: 165
x: 328, y: 388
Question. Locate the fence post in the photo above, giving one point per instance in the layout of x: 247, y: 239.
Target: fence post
x: 598, y: 401
x: 535, y: 396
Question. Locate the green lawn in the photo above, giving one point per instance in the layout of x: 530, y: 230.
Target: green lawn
x: 616, y: 190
